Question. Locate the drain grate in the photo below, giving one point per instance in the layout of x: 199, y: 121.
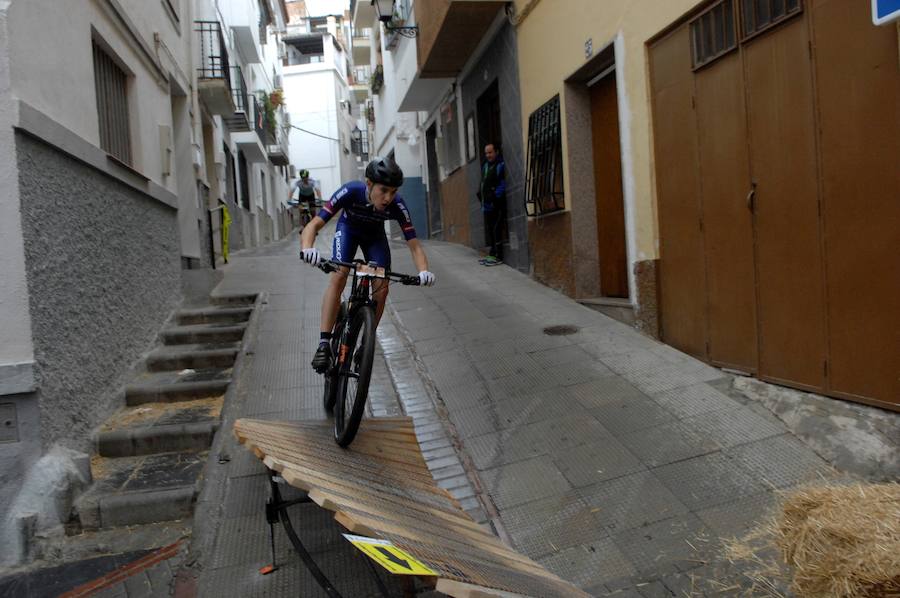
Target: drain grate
x: 560, y: 330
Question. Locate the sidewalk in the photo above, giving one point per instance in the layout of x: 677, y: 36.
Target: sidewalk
x: 614, y: 460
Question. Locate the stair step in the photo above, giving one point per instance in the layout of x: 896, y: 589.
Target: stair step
x: 166, y: 387
x: 209, y: 315
x: 241, y: 299
x: 196, y: 356
x: 160, y: 428
x: 202, y: 333
x: 138, y: 490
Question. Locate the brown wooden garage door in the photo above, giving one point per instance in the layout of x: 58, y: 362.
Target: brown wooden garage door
x: 777, y: 191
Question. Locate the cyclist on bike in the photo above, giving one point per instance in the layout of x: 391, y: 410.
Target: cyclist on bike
x: 366, y: 207
x: 307, y: 192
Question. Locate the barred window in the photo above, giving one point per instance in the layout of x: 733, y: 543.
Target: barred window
x: 111, y: 86
x: 758, y: 15
x: 713, y: 33
x: 544, y: 181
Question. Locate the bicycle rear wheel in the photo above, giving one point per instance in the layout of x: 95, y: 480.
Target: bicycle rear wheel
x: 354, y: 374
x: 331, y: 376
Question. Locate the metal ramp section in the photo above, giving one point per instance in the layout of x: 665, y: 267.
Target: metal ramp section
x: 381, y: 488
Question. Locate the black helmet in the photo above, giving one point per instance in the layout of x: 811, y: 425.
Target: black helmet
x: 304, y: 174
x: 385, y: 172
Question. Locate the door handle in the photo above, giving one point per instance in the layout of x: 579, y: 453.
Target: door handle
x: 751, y: 197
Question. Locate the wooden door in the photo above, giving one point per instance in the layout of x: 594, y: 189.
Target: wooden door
x: 790, y: 293
x: 608, y: 189
x: 859, y: 122
x: 726, y: 219
x: 682, y: 265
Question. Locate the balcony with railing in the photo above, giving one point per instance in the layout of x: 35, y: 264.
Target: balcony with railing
x: 240, y: 119
x: 214, y: 72
x: 359, y: 82
x: 277, y: 138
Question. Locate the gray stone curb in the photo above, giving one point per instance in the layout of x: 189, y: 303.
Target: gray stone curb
x: 420, y: 398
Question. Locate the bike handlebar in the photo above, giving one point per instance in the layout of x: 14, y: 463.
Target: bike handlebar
x: 328, y: 266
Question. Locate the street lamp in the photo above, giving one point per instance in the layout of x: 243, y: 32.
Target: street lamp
x: 385, y: 10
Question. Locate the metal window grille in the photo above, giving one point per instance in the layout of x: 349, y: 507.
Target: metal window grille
x: 713, y: 33
x: 213, y: 53
x: 111, y: 85
x: 544, y: 180
x: 759, y: 15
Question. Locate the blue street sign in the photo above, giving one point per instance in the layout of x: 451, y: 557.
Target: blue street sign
x: 884, y: 11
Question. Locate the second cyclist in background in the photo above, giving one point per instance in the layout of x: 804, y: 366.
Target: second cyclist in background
x: 308, y: 192
x: 365, y: 207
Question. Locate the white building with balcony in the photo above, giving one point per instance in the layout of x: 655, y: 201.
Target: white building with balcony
x: 397, y: 102
x: 239, y: 56
x: 318, y: 77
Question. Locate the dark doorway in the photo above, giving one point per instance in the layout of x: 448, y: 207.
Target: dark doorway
x: 230, y: 181
x: 434, y: 194
x: 245, y: 183
x: 488, y: 108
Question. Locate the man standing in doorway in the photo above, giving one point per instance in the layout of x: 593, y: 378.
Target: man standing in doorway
x: 492, y: 194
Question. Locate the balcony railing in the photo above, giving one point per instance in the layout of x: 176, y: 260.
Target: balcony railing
x: 240, y: 120
x: 213, y: 52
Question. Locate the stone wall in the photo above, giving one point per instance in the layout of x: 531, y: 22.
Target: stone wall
x: 103, y: 274
x: 550, y: 238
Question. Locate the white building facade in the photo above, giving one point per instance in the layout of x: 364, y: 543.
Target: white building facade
x: 113, y: 166
x: 317, y: 78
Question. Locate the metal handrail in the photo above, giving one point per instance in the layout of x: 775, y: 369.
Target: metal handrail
x: 239, y: 90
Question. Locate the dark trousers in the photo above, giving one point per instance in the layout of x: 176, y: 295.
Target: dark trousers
x: 493, y: 226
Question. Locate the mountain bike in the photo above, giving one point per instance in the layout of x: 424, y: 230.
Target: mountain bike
x: 353, y: 347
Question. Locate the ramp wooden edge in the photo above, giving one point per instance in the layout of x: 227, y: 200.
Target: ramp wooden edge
x: 384, y: 490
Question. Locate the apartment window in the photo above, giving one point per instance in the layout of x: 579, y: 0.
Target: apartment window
x: 544, y: 182
x: 758, y: 15
x: 111, y: 86
x: 713, y: 33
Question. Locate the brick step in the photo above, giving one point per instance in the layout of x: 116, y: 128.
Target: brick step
x: 167, y: 387
x: 196, y: 356
x: 139, y: 490
x: 160, y: 428
x: 213, y: 315
x: 202, y: 333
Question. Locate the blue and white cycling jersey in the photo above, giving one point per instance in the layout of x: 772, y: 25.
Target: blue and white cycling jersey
x: 361, y: 226
x: 361, y: 217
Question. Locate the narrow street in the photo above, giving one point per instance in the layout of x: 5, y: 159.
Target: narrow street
x: 617, y: 462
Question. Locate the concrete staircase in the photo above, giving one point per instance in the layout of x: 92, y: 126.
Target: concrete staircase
x: 150, y: 455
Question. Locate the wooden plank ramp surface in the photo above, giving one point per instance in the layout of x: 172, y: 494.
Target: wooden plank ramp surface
x: 381, y: 487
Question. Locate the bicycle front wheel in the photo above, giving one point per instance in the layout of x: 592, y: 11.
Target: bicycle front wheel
x: 355, y: 371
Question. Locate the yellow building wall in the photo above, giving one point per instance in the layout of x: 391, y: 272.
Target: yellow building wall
x: 551, y: 45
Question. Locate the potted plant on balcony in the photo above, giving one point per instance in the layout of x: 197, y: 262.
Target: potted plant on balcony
x: 376, y: 81
x: 277, y: 97
x: 268, y: 107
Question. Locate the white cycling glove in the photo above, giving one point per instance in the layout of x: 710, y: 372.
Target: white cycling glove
x: 311, y: 256
x: 426, y: 278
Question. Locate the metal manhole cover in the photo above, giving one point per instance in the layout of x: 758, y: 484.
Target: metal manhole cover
x: 560, y: 330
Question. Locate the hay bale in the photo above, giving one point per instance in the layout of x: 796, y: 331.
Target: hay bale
x: 834, y: 542
x: 842, y: 540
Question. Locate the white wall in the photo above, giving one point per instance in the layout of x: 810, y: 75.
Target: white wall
x: 15, y: 321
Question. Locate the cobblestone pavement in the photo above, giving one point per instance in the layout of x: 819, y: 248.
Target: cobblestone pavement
x: 618, y: 462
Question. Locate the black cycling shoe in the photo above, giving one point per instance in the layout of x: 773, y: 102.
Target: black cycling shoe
x: 322, y: 359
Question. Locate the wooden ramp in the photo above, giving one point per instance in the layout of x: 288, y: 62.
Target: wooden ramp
x: 381, y: 488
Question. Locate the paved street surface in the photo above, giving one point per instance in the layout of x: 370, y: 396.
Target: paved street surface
x: 616, y: 461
